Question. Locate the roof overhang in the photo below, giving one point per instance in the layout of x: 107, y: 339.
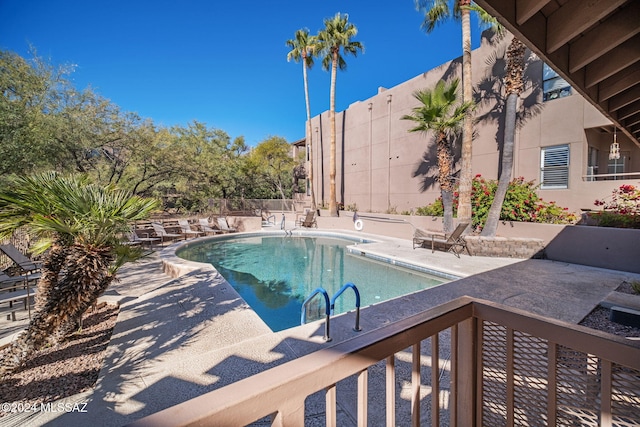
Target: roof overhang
x: 594, y: 45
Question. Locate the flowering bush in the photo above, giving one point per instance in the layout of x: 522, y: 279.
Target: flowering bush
x: 623, y: 210
x: 521, y: 203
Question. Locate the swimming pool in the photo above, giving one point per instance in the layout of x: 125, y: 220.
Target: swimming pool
x: 274, y: 274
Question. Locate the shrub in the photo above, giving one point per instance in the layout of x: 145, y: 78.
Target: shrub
x: 622, y: 210
x: 521, y: 203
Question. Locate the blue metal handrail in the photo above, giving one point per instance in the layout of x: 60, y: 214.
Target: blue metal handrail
x: 303, y: 315
x: 355, y: 289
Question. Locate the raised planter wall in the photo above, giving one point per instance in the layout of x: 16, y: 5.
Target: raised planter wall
x: 506, y: 247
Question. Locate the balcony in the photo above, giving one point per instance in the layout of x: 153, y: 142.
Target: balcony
x: 486, y: 364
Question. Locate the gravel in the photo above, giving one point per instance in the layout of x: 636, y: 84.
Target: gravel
x: 66, y: 368
x: 73, y: 366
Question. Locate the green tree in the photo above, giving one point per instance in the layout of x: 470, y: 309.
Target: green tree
x: 78, y: 224
x: 335, y: 40
x: 273, y: 162
x: 303, y: 48
x: 28, y: 92
x: 440, y: 112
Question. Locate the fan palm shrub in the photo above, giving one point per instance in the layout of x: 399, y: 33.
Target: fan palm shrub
x: 77, y: 227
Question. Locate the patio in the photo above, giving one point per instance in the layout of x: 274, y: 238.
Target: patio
x: 179, y: 339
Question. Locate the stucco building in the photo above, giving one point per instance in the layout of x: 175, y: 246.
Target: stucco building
x: 562, y: 142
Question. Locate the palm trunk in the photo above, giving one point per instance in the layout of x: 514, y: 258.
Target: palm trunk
x: 51, y: 268
x: 309, y: 134
x: 445, y: 169
x: 86, y: 278
x: 333, y: 204
x: 513, y: 83
x: 466, y: 173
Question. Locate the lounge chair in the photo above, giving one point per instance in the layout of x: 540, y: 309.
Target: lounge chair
x: 134, y: 239
x: 453, y: 242
x: 187, y: 230
x: 206, y: 226
x: 268, y: 220
x: 308, y: 220
x: 162, y: 233
x: 224, y: 226
x: 14, y: 289
x: 26, y: 265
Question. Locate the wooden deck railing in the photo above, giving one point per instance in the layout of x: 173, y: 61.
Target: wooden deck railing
x: 506, y: 367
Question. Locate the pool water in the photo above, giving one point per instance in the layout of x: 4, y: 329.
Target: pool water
x: 275, y: 274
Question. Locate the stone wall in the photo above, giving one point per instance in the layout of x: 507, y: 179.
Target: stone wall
x: 505, y: 247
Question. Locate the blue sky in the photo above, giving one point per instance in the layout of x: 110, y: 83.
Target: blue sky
x: 223, y: 62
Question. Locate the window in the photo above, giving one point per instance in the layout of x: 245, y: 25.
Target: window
x: 554, y: 167
x: 553, y: 85
x: 617, y: 166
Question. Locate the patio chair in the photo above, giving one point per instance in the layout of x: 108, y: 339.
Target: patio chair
x: 187, y: 230
x: 206, y: 227
x: 308, y: 220
x: 133, y: 239
x: 26, y: 265
x: 224, y: 225
x: 453, y: 242
x: 162, y: 233
x: 268, y: 220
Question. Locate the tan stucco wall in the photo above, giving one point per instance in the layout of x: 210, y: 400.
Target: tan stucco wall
x: 376, y: 168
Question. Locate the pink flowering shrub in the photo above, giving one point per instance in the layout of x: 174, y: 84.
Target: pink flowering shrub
x: 521, y: 203
x: 622, y: 210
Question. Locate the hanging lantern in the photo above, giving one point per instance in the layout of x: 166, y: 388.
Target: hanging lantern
x: 614, y: 150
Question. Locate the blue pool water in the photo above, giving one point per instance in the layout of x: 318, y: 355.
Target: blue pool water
x: 275, y: 274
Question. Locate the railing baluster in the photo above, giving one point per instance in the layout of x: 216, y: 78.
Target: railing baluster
x: 415, y: 385
x: 605, y: 393
x: 435, y: 381
x: 291, y: 414
x: 330, y: 403
x: 391, y: 390
x: 552, y: 360
x: 453, y: 382
x: 510, y: 379
x: 363, y: 385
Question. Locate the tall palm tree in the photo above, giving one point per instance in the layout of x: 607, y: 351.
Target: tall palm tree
x: 441, y: 112
x: 437, y: 12
x: 335, y: 40
x: 513, y: 83
x: 303, y: 48
x: 80, y: 223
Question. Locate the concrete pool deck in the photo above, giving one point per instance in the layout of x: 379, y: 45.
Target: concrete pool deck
x: 178, y: 338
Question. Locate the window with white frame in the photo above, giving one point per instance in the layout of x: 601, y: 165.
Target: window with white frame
x: 553, y: 85
x: 554, y: 167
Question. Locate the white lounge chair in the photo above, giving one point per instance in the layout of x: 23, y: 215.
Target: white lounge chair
x: 162, y: 233
x: 205, y: 226
x: 224, y: 226
x: 187, y: 230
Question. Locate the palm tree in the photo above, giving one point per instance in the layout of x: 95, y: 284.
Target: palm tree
x: 442, y: 113
x: 514, y: 84
x: 335, y: 40
x: 79, y: 223
x: 435, y: 13
x: 303, y: 48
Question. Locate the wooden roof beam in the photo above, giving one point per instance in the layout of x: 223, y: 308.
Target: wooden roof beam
x: 619, y: 27
x: 628, y: 53
x: 628, y: 111
x: 575, y: 17
x: 619, y: 82
x: 625, y: 98
x: 525, y: 9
